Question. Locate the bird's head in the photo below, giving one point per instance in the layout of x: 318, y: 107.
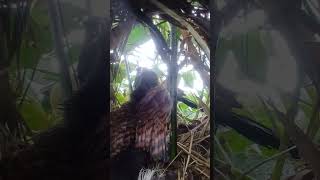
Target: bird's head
x: 146, y: 79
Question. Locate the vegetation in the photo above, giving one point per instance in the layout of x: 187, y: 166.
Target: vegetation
x: 35, y: 80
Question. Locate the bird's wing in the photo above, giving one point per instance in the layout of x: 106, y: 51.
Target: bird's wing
x: 153, y: 113
x: 122, y: 129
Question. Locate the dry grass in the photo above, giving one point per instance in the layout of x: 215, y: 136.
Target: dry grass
x: 193, y: 157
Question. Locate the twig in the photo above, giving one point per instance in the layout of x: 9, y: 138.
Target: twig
x: 190, y: 149
x: 194, y: 155
x: 225, y: 155
x: 28, y: 86
x: 221, y: 174
x: 171, y: 162
x: 202, y: 172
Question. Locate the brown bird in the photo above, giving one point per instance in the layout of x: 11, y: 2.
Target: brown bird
x: 143, y: 122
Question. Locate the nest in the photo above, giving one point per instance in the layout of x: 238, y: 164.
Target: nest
x: 193, y: 157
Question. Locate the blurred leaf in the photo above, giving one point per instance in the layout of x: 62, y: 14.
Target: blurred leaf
x: 242, y: 112
x: 56, y: 101
x: 236, y: 142
x: 244, y: 161
x: 187, y: 112
x: 47, y: 75
x: 138, y: 35
x: 251, y: 55
x: 307, y: 110
x: 121, y: 98
x: 192, y: 98
x: 72, y: 16
x: 188, y: 78
x: 34, y: 115
x: 37, y: 40
x: 32, y: 49
x: 121, y: 74
x: 312, y: 92
x: 266, y: 40
x: 74, y: 53
x: 165, y: 30
x: 182, y: 107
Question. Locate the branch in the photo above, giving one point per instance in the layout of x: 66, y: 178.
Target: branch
x: 160, y: 42
x: 308, y: 150
x: 194, y: 33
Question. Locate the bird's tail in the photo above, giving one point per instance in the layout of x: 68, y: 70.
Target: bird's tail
x: 147, y: 174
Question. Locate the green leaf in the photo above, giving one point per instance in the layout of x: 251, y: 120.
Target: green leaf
x: 312, y: 93
x: 182, y: 107
x: 237, y: 142
x: 34, y: 115
x: 165, y: 29
x: 37, y: 39
x: 251, y: 56
x: 307, y: 110
x: 121, y: 98
x: 138, y: 35
x: 188, y: 78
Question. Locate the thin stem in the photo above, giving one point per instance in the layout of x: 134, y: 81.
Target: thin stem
x: 267, y: 160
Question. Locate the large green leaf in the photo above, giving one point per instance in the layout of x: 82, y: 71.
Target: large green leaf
x: 37, y: 39
x: 250, y: 52
x: 34, y: 115
x: 251, y: 55
x: 138, y: 35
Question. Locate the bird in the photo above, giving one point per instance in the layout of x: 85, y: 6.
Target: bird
x: 142, y: 123
x: 245, y: 126
x: 140, y: 128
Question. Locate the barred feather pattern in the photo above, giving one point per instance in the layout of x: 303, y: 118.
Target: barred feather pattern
x: 143, y: 125
x: 123, y: 122
x: 153, y: 119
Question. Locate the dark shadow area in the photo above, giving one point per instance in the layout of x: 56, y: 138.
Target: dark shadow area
x: 267, y: 116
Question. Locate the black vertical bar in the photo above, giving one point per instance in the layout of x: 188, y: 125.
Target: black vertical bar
x: 215, y: 25
x: 173, y: 91
x: 108, y: 30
